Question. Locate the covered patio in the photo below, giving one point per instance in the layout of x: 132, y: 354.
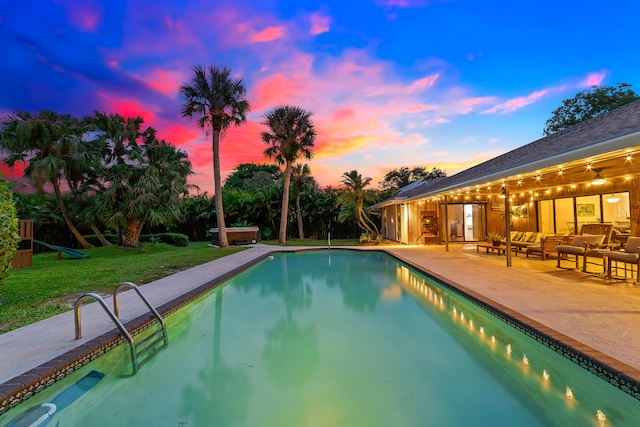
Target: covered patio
x: 588, y: 173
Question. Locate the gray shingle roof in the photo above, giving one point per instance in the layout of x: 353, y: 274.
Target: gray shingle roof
x: 619, y: 122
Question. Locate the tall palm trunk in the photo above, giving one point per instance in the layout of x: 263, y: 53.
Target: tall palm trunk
x: 99, y: 235
x: 299, y: 215
x: 282, y: 239
x: 222, y: 228
x: 364, y: 220
x: 65, y: 213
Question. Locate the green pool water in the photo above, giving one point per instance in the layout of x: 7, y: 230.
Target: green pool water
x: 341, y: 338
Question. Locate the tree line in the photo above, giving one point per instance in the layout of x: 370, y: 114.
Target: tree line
x: 109, y: 173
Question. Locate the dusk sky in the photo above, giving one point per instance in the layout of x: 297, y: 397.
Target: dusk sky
x: 391, y: 83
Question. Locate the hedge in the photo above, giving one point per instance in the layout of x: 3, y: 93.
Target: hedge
x: 175, y: 239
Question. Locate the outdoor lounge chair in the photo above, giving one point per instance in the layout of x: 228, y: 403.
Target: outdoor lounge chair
x: 605, y: 229
x: 546, y: 246
x: 629, y: 258
x: 578, y: 248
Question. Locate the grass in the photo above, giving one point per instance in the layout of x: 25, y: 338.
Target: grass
x: 50, y: 287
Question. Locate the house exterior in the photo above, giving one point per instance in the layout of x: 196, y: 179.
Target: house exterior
x: 587, y: 173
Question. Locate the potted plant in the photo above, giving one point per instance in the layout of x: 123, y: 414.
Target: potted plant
x: 494, y: 238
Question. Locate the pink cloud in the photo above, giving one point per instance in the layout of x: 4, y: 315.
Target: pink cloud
x: 84, y: 15
x: 422, y: 84
x: 417, y: 86
x: 344, y: 114
x: 276, y: 90
x: 593, y: 79
x: 403, y: 3
x: 128, y: 108
x: 319, y: 23
x: 361, y: 104
x: 268, y: 34
x: 239, y: 144
x: 178, y: 135
x: 166, y: 82
x: 516, y: 103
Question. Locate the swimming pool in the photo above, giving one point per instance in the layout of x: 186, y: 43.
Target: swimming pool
x: 341, y: 338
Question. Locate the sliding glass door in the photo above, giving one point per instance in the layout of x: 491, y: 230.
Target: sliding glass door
x: 467, y: 222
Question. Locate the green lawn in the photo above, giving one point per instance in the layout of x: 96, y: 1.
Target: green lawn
x: 50, y: 287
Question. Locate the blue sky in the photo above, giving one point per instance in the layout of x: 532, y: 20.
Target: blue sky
x: 391, y: 83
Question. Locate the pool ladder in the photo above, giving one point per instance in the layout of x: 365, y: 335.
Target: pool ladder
x: 147, y: 345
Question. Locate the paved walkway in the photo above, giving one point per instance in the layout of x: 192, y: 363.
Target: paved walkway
x: 604, y: 315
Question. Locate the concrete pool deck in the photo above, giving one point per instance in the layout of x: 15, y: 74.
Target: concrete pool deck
x: 601, y: 314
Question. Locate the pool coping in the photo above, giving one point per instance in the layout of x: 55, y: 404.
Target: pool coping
x: 609, y: 369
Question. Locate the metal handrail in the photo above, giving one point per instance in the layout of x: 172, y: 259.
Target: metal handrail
x: 130, y: 285
x: 104, y: 305
x: 115, y: 317
x: 123, y: 330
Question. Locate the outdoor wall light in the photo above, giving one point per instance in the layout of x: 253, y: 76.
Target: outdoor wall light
x: 598, y: 180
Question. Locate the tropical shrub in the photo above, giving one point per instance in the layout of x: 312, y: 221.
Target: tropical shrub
x: 9, y: 236
x: 175, y: 239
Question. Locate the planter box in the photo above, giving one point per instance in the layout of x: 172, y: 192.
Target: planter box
x: 236, y: 235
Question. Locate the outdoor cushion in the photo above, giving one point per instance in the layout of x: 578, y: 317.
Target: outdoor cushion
x: 570, y: 249
x: 532, y: 238
x: 519, y: 236
x: 587, y: 239
x: 633, y: 245
x: 541, y: 236
x: 622, y: 256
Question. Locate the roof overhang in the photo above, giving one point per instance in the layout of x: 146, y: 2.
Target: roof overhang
x: 602, y: 155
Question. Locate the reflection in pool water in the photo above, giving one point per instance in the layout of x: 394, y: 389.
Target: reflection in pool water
x: 343, y: 338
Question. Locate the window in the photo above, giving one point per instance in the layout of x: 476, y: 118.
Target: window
x: 615, y: 209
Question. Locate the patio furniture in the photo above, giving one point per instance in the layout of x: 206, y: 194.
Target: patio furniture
x: 521, y: 239
x: 629, y: 257
x: 605, y: 229
x: 599, y: 229
x: 578, y: 248
x: 545, y: 247
x: 500, y: 249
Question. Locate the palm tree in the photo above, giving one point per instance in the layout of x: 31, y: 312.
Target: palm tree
x: 352, y: 200
x: 46, y: 142
x: 301, y: 181
x: 217, y: 101
x: 142, y: 181
x: 292, y: 136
